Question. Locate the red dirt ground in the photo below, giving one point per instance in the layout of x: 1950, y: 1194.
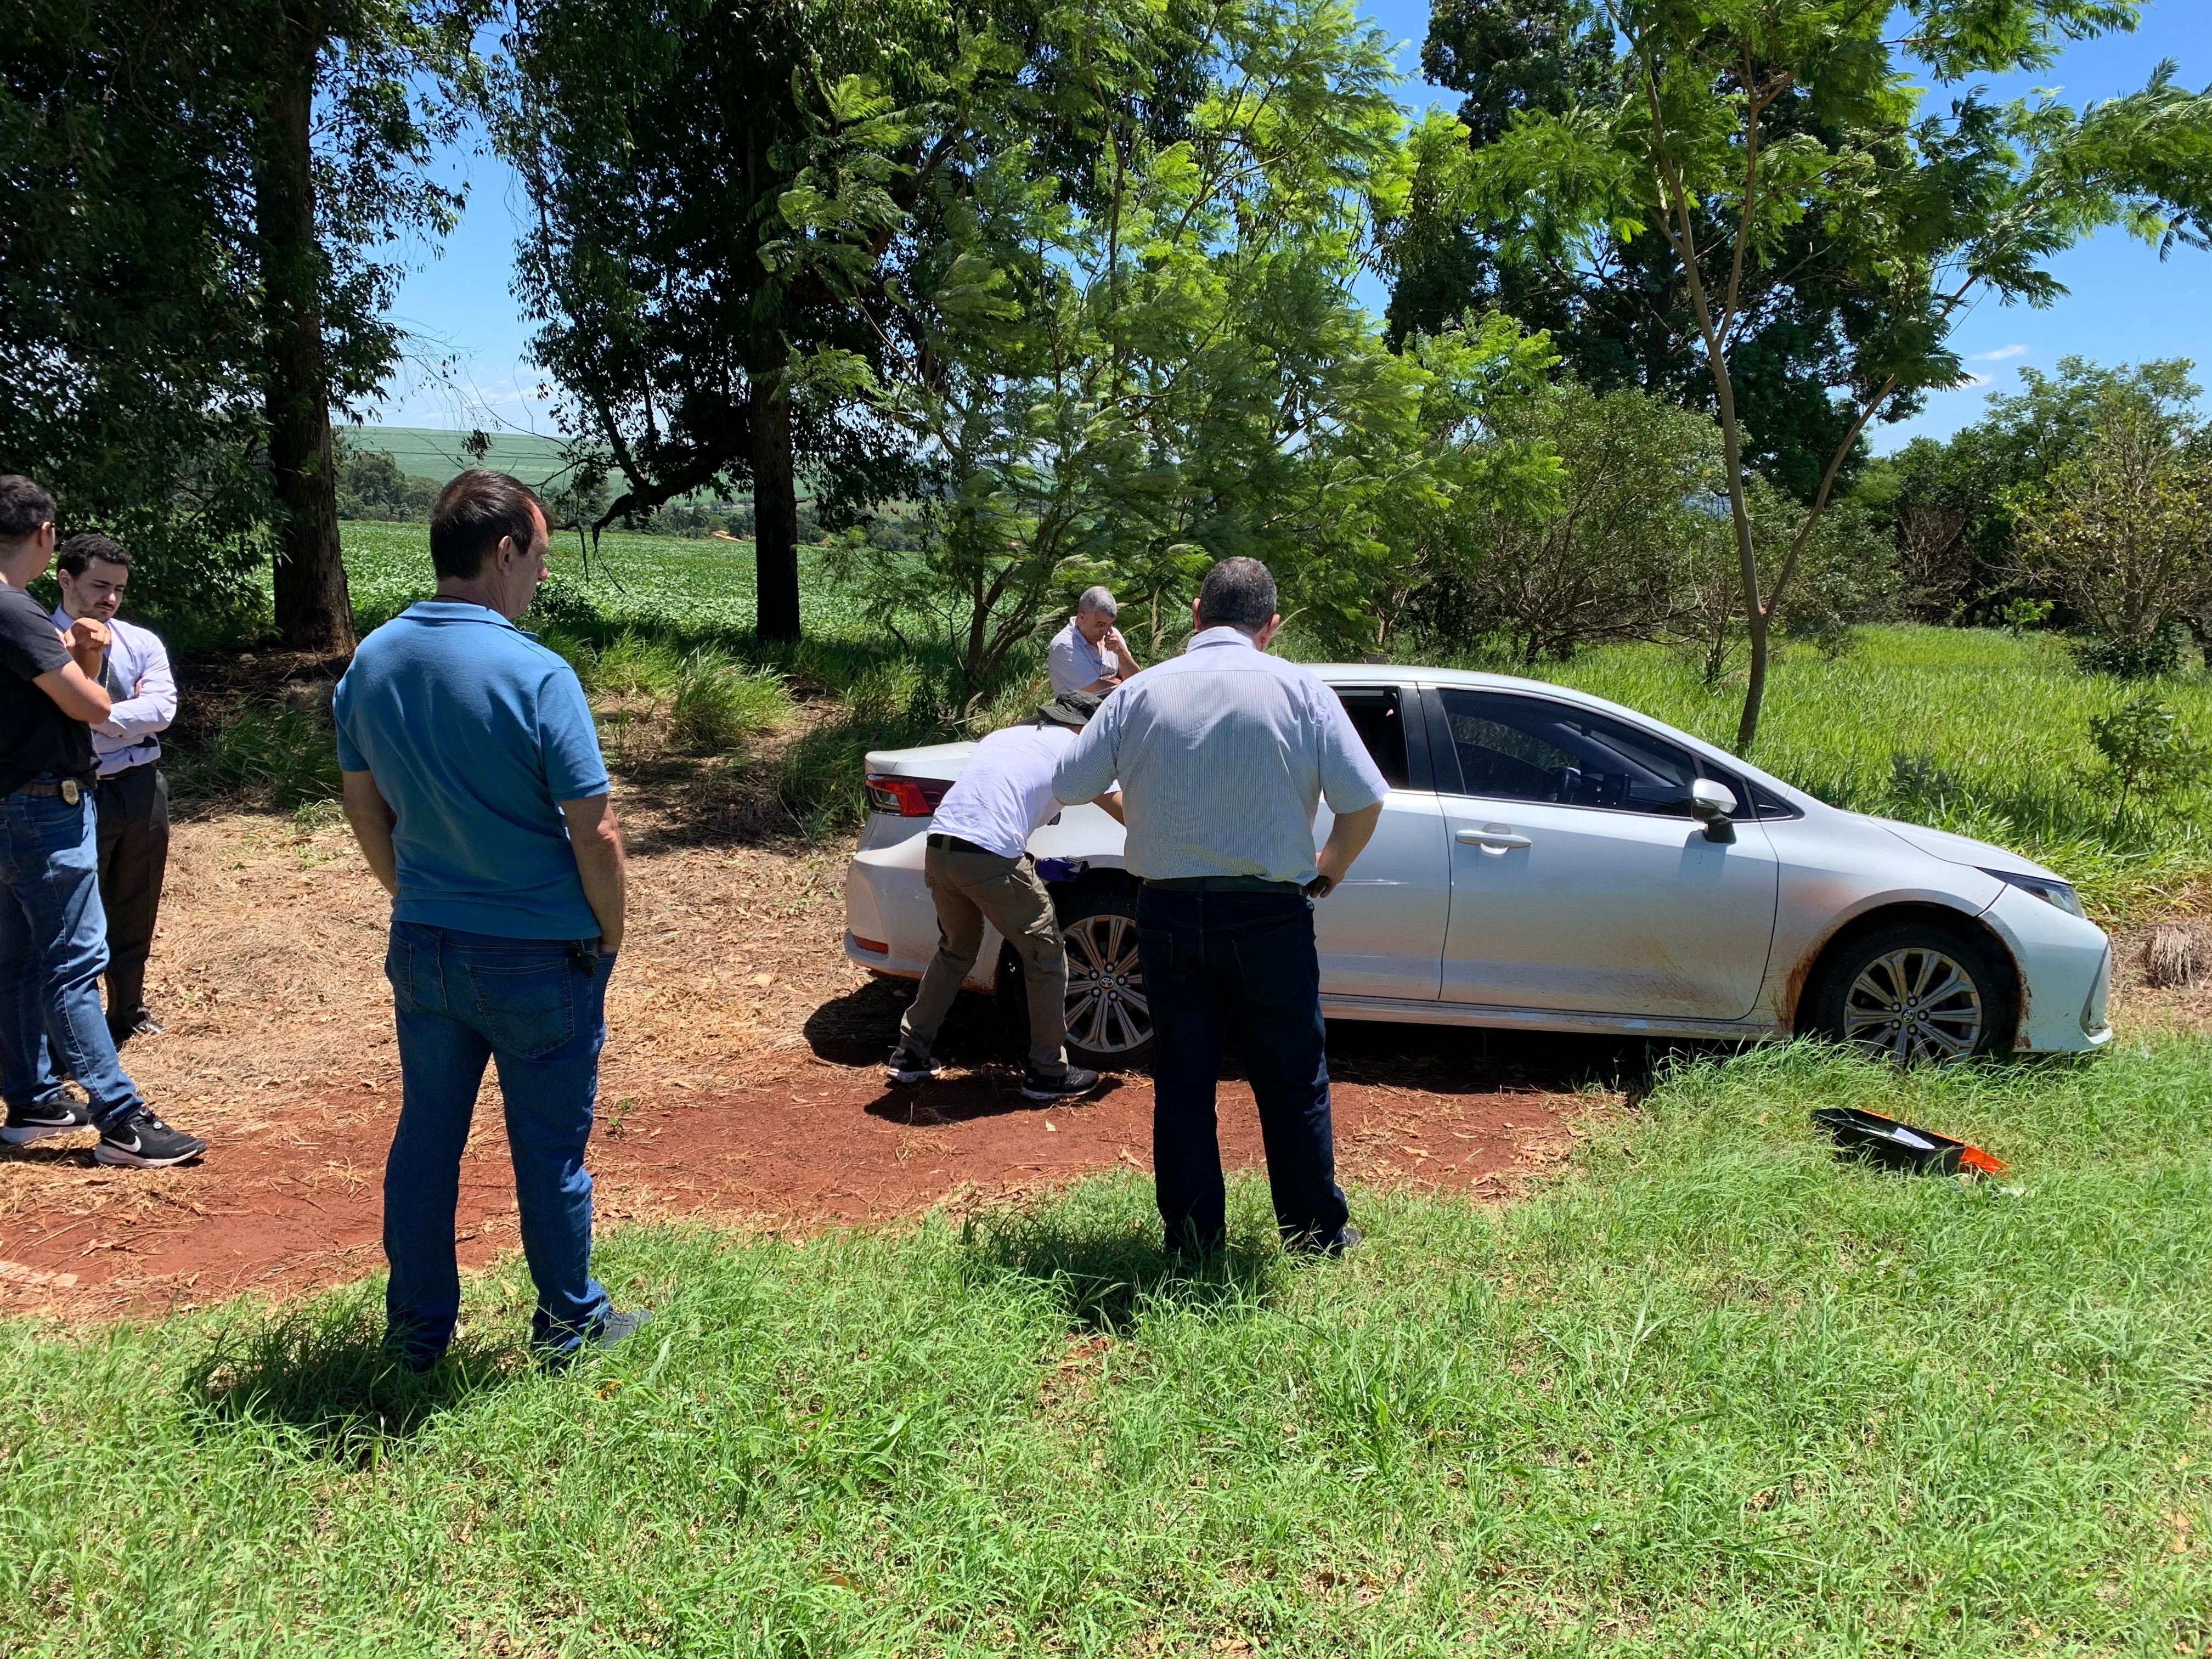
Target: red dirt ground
x: 296, y: 1206
x: 741, y: 1084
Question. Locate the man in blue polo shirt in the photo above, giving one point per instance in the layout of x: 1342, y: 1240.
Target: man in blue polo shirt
x: 474, y: 785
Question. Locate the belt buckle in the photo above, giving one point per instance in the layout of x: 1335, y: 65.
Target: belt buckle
x: 72, y: 791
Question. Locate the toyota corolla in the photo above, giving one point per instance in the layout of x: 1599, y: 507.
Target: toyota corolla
x: 1549, y: 860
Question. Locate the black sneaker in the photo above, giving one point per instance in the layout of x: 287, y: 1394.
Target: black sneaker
x: 906, y: 1067
x: 1069, y: 1084
x: 58, y: 1116
x: 141, y: 1023
x: 1347, y: 1241
x: 144, y: 1142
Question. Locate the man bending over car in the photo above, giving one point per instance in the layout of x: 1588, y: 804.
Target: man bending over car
x: 978, y: 866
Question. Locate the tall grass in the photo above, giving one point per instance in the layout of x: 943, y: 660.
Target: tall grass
x: 1712, y: 1392
x: 278, y: 755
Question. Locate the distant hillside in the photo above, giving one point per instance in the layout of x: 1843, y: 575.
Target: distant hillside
x: 427, y: 452
x: 431, y: 453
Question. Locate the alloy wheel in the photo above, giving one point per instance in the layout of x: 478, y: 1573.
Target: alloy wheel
x: 1914, y: 1005
x: 1107, y: 1012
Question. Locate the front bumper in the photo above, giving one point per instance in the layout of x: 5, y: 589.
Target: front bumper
x: 2065, y: 974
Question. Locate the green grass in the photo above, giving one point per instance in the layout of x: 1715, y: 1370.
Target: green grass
x: 433, y: 453
x: 1713, y: 1392
x: 1966, y: 729
x: 699, y: 588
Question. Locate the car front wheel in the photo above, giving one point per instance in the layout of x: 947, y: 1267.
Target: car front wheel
x: 1915, y: 994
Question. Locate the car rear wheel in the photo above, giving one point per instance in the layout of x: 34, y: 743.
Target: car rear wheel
x: 1109, y: 1023
x: 1915, y: 994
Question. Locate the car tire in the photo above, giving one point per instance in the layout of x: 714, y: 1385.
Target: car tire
x: 1110, y: 1027
x: 1915, y: 992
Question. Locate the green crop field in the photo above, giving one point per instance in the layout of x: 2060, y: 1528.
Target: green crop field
x: 430, y: 452
x: 1709, y: 1391
x: 699, y: 587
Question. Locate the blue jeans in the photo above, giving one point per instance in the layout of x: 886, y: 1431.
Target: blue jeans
x: 54, y: 948
x: 1237, y: 968
x: 536, y: 1007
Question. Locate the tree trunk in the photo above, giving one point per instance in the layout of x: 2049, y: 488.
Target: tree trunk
x: 1756, y: 616
x: 775, y: 510
x: 314, y: 611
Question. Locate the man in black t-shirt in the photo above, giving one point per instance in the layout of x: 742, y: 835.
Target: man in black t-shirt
x: 53, y: 933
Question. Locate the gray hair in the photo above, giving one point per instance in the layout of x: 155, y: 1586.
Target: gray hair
x: 1097, y: 598
x: 1237, y: 592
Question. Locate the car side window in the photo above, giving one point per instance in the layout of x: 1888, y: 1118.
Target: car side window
x: 1518, y: 747
x: 1378, y: 714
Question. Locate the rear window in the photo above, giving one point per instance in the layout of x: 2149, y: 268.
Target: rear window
x: 1378, y: 715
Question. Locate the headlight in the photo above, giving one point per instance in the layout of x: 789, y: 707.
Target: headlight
x: 2049, y: 889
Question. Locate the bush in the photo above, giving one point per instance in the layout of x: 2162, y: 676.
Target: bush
x: 635, y: 665
x: 892, y: 705
x: 2134, y: 658
x: 2147, y: 749
x: 719, y: 701
x: 281, y: 755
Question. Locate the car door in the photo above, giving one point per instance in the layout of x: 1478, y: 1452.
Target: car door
x: 1381, y: 933
x: 1579, y: 881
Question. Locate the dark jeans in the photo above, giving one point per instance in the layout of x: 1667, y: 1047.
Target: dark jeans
x: 134, y: 854
x: 1239, y: 968
x: 537, y: 1008
x: 53, y: 945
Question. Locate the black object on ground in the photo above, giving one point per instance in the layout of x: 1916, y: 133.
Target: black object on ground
x: 1884, y: 1140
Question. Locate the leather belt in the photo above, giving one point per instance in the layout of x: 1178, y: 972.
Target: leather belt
x: 944, y: 843
x: 72, y: 790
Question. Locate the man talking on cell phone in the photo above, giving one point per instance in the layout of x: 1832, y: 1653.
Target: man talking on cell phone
x: 1224, y: 754
x: 53, y: 930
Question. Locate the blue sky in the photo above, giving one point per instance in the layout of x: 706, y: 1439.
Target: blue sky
x: 468, y: 354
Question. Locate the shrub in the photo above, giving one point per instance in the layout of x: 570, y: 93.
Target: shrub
x: 2148, y: 750
x: 892, y: 705
x: 719, y: 701
x: 636, y: 665
x: 282, y: 754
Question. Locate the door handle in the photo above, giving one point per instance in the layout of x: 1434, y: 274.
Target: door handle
x: 1494, y: 841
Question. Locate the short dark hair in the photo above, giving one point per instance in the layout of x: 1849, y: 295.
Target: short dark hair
x: 81, y: 549
x: 1236, y: 593
x: 23, y: 508
x: 472, y: 513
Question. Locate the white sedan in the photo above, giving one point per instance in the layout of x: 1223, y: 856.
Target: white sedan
x: 1548, y: 860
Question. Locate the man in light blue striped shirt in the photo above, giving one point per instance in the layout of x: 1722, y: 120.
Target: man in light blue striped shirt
x: 1223, y: 755
x: 132, y: 797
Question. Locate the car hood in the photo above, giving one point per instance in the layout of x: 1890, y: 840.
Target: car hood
x: 1963, y: 849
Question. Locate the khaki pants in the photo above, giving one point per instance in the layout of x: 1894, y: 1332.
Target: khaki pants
x: 967, y: 888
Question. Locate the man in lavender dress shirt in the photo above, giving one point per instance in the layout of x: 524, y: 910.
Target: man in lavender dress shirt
x: 131, y: 795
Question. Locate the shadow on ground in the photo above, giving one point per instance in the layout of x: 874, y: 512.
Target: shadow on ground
x: 860, y: 1028
x: 324, y: 1374
x: 1104, y: 1280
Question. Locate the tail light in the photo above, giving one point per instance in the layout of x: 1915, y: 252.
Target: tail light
x: 906, y: 798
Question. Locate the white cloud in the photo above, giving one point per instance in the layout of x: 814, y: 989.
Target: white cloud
x: 1999, y: 355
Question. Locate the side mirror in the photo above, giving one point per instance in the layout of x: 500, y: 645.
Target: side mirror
x: 1713, y: 805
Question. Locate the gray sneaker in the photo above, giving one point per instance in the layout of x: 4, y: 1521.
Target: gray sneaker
x: 619, y: 1327
x: 1071, y: 1083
